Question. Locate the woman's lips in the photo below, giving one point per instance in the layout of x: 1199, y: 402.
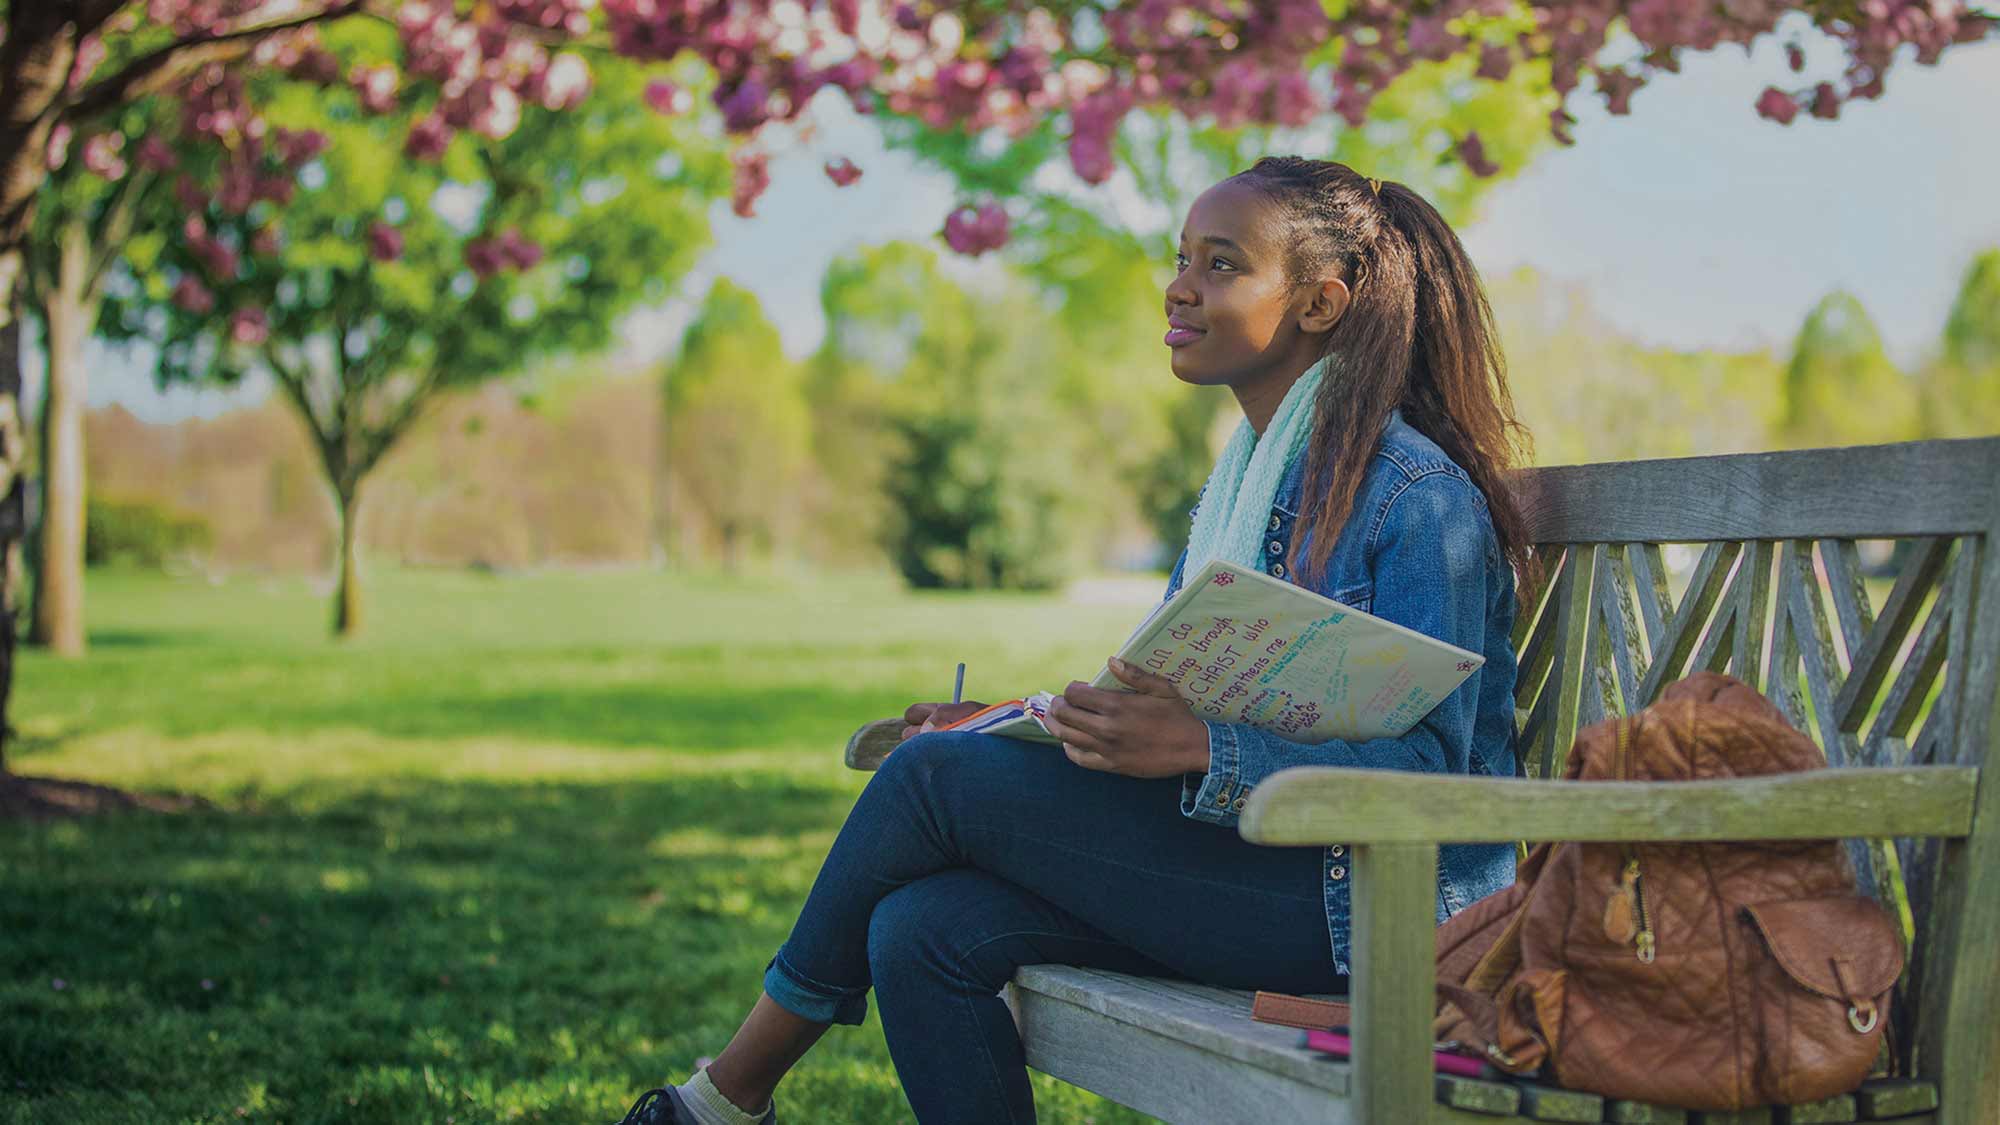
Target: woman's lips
x: 1177, y: 337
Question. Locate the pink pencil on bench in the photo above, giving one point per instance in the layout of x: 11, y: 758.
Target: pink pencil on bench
x: 1339, y: 1045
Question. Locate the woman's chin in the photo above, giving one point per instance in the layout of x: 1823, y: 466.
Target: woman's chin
x: 1191, y: 373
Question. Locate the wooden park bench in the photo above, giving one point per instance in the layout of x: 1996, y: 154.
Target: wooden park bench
x: 1901, y: 697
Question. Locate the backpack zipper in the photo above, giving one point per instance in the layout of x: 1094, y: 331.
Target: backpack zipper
x: 1630, y: 879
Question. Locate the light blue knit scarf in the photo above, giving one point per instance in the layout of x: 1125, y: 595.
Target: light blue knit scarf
x: 1236, y: 502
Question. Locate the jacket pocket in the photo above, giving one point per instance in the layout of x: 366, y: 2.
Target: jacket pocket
x: 1821, y: 993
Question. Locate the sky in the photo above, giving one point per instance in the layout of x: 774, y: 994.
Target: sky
x: 1691, y: 222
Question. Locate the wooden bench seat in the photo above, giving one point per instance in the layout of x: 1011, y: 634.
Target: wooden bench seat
x: 1188, y: 1053
x: 1900, y: 694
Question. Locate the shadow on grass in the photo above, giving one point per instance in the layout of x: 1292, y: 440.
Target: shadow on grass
x: 142, y: 639
x: 704, y: 717
x: 403, y: 953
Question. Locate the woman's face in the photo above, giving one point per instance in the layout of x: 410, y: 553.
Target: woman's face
x: 1232, y: 318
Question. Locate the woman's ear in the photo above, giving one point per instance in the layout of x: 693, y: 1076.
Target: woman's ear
x: 1325, y: 306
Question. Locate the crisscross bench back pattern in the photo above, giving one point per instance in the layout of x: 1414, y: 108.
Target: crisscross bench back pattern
x: 1777, y: 595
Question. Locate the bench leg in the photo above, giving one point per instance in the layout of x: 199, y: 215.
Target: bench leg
x: 1393, y: 956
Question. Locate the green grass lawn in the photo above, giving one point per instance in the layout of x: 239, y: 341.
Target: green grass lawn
x: 518, y: 853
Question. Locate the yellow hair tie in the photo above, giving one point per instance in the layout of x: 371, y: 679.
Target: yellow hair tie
x: 1375, y: 186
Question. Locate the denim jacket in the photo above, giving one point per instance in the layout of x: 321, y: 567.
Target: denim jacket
x: 1418, y: 550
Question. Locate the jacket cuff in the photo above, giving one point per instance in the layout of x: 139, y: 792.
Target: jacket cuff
x: 1216, y: 796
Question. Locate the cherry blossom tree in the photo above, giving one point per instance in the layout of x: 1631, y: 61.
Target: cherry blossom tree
x: 998, y: 68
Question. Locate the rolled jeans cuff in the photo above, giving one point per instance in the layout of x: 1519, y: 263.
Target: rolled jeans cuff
x: 809, y: 999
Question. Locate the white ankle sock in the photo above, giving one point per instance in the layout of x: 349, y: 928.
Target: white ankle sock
x: 710, y: 1107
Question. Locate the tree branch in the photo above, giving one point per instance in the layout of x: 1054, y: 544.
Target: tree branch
x: 381, y: 438
x: 153, y: 72
x: 114, y: 227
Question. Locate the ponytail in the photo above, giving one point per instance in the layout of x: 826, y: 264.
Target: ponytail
x: 1418, y: 335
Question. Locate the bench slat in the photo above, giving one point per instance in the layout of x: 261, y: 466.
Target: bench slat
x: 1862, y: 492
x: 1324, y: 805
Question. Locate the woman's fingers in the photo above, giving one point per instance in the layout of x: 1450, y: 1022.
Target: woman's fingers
x: 1064, y: 729
x: 1141, y: 680
x: 1087, y: 759
x: 1076, y: 718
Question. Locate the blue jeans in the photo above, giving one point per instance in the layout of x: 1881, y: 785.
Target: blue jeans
x: 968, y: 856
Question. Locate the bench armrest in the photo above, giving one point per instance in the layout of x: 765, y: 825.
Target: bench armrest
x: 1325, y: 805
x: 867, y: 746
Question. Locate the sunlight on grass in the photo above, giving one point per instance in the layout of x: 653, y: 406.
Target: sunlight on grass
x: 519, y: 853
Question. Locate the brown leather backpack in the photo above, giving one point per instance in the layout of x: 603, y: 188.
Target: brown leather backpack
x: 1709, y: 976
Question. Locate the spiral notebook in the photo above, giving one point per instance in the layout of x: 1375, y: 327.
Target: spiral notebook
x: 1243, y: 647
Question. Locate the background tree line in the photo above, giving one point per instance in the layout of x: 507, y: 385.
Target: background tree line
x: 931, y: 431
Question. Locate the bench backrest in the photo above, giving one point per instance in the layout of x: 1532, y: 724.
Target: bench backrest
x: 1777, y: 597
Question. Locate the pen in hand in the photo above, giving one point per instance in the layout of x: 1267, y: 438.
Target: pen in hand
x: 957, y: 694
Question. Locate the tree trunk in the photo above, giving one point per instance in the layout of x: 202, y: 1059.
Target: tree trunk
x: 347, y: 597
x: 68, y: 313
x: 12, y: 448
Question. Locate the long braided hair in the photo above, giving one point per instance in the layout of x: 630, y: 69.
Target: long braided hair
x: 1417, y: 334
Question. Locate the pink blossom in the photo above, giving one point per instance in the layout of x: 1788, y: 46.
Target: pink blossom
x: 375, y: 87
x: 1559, y: 122
x: 57, y: 153
x: 974, y: 231
x: 385, y: 243
x: 103, y: 155
x: 1472, y: 151
x: 745, y: 107
x: 267, y: 242
x: 842, y: 171
x: 1617, y: 85
x: 1777, y: 105
x: 518, y: 250
x: 221, y: 261
x: 751, y: 175
x: 156, y: 155
x: 296, y: 147
x: 1825, y: 103
x: 193, y: 296
x: 428, y: 139
x: 563, y: 84
x: 485, y: 257
x: 1428, y: 39
x: 1495, y: 62
x: 89, y: 52
x: 667, y: 98
x: 1292, y: 100
x: 1795, y: 57
x: 249, y: 327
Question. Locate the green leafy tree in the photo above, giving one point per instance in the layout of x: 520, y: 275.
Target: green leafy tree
x: 389, y: 279
x: 1961, y: 390
x: 1840, y: 387
x: 737, y: 435
x: 936, y: 403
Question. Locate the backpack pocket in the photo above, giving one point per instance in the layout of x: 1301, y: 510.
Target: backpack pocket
x: 1820, y: 993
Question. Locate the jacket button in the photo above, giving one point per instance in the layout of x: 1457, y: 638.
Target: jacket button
x: 1222, y: 798
x: 1276, y: 547
x: 1277, y: 570
x: 1338, y: 850
x: 1276, y: 522
x: 1337, y: 871
x: 1238, y: 806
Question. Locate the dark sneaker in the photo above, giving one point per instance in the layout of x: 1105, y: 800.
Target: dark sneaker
x: 663, y: 1106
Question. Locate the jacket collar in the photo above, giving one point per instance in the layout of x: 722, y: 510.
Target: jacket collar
x: 1288, y: 499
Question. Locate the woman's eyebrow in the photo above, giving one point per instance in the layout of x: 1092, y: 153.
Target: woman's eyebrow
x: 1218, y: 240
